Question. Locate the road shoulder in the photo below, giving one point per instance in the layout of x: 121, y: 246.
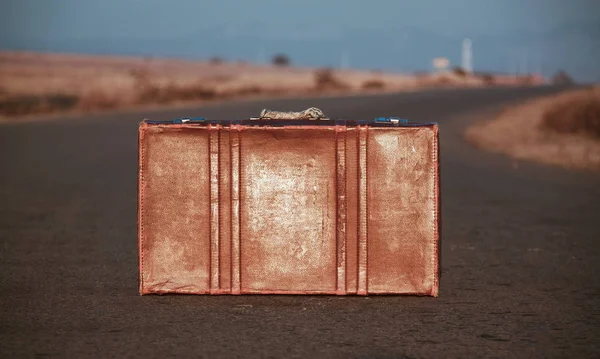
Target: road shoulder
x: 517, y: 131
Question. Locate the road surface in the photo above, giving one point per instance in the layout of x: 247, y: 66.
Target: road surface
x: 520, y: 253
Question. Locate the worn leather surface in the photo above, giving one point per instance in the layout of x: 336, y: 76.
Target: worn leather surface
x: 291, y: 210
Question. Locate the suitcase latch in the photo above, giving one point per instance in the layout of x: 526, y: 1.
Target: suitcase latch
x: 190, y: 120
x: 392, y: 120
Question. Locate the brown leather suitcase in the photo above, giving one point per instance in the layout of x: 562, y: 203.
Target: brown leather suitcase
x: 289, y: 203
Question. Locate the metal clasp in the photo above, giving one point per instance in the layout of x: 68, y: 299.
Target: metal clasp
x: 392, y: 120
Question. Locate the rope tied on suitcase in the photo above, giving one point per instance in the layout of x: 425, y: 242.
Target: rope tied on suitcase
x: 312, y: 113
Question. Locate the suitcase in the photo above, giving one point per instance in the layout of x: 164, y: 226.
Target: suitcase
x: 289, y: 203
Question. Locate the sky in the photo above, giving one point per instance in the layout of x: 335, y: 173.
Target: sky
x: 136, y: 26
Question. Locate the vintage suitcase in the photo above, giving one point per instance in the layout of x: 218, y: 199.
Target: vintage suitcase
x: 289, y: 203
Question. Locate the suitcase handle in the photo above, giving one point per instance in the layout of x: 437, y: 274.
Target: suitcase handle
x: 312, y: 113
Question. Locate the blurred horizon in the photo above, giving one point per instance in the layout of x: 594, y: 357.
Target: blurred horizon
x: 534, y: 36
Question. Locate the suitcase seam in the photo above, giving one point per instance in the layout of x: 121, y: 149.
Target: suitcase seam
x: 357, y: 245
x: 231, y: 255
x: 346, y: 209
x: 214, y: 242
x: 436, y: 234
x: 221, y: 216
x: 341, y: 206
x: 366, y: 216
x: 236, y: 285
x: 219, y: 188
x: 141, y: 205
x: 363, y: 215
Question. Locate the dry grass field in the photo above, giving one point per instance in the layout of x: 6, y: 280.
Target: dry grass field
x: 561, y: 130
x: 576, y: 112
x: 40, y: 83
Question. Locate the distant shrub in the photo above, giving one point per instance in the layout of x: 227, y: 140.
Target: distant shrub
x: 459, y: 71
x: 443, y: 81
x: 149, y: 93
x: 488, y: 79
x: 61, y: 101
x: 326, y: 79
x: 577, y: 112
x: 20, y: 105
x: 526, y: 80
x: 373, y: 84
x: 31, y: 104
x: 215, y: 60
x: 562, y: 78
x: 281, y: 60
x: 99, y: 100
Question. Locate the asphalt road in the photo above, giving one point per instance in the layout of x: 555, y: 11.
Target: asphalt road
x: 520, y: 253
